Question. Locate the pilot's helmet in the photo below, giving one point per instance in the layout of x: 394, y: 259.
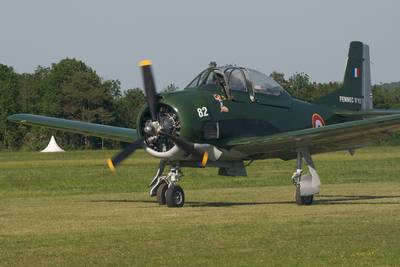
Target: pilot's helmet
x: 219, y: 76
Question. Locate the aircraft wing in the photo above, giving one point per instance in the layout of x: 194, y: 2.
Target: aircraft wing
x: 86, y: 128
x: 341, y: 136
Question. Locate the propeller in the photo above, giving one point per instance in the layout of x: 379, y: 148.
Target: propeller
x: 149, y: 88
x: 154, y: 127
x: 126, y: 152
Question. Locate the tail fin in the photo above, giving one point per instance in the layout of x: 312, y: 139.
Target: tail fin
x: 355, y: 94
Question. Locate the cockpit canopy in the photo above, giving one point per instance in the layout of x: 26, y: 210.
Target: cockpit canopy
x: 238, y: 79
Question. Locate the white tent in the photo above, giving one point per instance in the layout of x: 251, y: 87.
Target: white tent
x: 52, y: 146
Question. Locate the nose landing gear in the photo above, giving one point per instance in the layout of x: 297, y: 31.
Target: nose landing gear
x: 165, y: 188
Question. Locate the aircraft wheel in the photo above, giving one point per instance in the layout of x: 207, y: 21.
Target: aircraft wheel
x: 161, y: 190
x: 175, y: 197
x: 303, y: 200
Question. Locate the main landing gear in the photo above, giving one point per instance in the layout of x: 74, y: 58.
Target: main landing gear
x: 165, y: 188
x: 307, y: 185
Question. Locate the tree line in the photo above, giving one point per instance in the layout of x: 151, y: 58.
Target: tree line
x: 68, y: 89
x: 72, y: 90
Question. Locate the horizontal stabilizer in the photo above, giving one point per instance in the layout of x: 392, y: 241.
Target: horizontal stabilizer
x: 367, y: 113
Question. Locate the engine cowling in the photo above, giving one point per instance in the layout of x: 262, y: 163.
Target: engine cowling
x: 159, y: 145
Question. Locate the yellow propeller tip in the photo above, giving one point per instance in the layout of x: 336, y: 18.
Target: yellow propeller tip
x: 110, y: 165
x: 145, y: 62
x: 205, y: 159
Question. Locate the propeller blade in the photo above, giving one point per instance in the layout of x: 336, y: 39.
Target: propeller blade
x: 121, y: 156
x: 149, y: 88
x: 189, y: 148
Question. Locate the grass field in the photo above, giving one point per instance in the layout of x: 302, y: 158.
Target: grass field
x: 67, y: 209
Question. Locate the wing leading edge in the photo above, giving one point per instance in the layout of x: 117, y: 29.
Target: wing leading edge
x: 333, y: 137
x: 86, y: 128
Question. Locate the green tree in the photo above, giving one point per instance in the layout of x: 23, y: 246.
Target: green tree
x: 279, y: 77
x: 85, y: 98
x: 8, y: 104
x: 300, y: 86
x: 53, y: 80
x: 128, y: 107
x: 386, y: 97
x: 34, y: 98
x: 113, y: 88
x: 325, y: 88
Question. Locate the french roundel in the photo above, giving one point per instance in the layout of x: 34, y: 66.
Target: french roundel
x: 317, y: 121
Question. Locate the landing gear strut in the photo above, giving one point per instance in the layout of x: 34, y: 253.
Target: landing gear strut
x: 307, y: 185
x: 166, y: 188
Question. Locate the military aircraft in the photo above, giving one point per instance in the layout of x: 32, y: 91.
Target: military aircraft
x: 228, y: 115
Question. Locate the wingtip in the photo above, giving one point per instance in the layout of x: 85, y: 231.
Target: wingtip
x: 110, y: 165
x: 13, y: 117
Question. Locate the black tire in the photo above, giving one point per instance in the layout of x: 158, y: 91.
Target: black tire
x: 303, y: 200
x: 175, y: 197
x: 161, y: 190
x: 307, y: 200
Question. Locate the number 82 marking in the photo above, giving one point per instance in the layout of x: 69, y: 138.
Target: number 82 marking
x: 202, y: 112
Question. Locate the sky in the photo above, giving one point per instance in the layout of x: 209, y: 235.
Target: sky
x: 182, y: 36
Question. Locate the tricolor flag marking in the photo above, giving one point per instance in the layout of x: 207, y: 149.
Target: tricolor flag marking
x: 356, y: 72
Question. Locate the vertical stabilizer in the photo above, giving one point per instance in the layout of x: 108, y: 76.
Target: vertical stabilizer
x: 355, y: 94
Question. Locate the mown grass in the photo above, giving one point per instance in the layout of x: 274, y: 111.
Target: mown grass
x: 67, y: 209
x: 30, y: 173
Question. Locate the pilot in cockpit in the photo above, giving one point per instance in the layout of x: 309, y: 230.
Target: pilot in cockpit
x: 216, y: 76
x: 218, y: 79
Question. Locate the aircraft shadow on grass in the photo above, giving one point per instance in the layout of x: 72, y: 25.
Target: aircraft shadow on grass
x: 321, y: 200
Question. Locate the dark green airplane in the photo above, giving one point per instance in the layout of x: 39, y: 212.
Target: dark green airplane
x: 228, y: 115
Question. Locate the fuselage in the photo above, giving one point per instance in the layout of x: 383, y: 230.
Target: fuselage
x: 222, y: 104
x: 203, y: 121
